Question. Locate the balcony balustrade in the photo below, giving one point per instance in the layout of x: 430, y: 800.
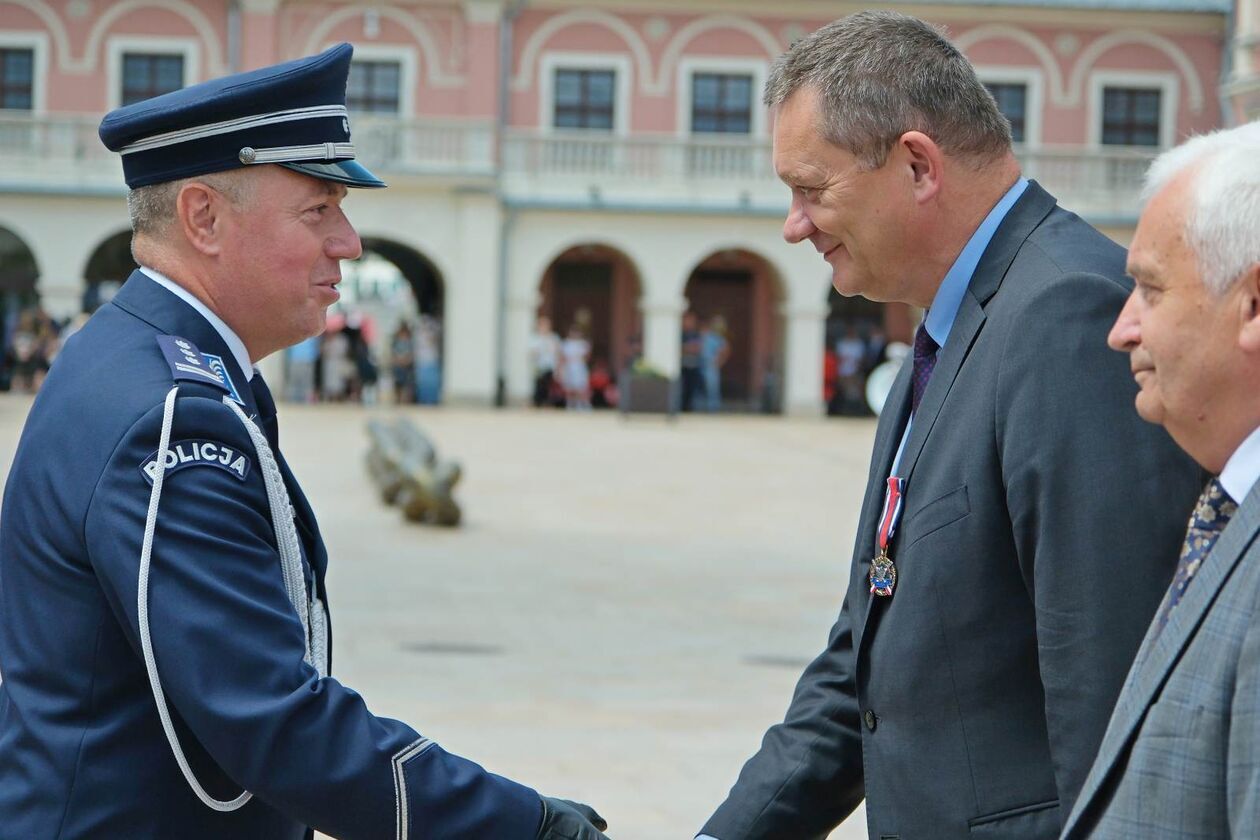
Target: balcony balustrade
x: 722, y: 173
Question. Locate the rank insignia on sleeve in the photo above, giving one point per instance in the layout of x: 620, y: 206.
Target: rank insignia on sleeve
x: 198, y: 453
x: 215, y: 364
x: 187, y: 363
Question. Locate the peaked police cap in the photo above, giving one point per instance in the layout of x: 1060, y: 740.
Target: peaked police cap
x: 292, y: 114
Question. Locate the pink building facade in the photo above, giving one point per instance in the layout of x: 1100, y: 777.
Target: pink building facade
x: 613, y: 157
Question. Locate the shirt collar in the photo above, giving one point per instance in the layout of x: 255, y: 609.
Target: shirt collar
x: 1242, y: 470
x: 230, y: 338
x: 944, y: 309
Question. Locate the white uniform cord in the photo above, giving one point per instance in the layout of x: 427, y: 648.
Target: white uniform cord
x: 314, y: 628
x: 142, y: 610
x: 311, y: 614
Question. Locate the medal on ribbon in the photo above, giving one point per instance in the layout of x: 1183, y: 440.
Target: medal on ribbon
x: 883, y: 575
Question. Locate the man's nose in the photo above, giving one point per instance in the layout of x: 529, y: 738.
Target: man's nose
x: 1125, y: 333
x: 797, y: 227
x: 344, y: 243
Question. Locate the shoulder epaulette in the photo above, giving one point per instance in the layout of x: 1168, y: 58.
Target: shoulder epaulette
x: 188, y: 364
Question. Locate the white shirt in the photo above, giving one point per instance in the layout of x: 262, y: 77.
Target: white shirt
x: 1242, y: 470
x: 231, y: 339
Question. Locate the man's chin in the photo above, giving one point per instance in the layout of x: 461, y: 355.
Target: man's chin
x: 1149, y: 408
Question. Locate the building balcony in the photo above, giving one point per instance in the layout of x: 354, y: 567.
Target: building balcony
x: 737, y: 174
x: 639, y: 173
x: 427, y: 147
x: 59, y: 153
x: 62, y: 152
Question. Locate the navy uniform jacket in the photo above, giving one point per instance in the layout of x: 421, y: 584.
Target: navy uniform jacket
x: 82, y: 752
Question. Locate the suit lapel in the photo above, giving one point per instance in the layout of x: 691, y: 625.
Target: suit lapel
x: 1161, y: 650
x: 1024, y: 217
x: 892, y: 422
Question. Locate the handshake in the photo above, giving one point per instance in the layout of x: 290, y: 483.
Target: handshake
x: 565, y: 820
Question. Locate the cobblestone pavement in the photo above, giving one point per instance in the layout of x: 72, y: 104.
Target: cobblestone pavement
x: 625, y: 609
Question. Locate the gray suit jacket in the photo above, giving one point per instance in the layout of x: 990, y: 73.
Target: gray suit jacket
x: 1041, y: 527
x: 1181, y: 757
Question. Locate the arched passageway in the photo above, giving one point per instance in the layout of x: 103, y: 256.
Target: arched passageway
x: 592, y: 291
x: 107, y: 269
x: 856, y: 341
x: 18, y: 294
x: 388, y: 324
x: 737, y: 293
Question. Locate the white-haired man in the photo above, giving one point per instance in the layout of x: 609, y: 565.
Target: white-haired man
x: 1181, y: 757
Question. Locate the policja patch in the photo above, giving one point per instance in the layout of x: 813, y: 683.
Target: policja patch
x: 198, y: 453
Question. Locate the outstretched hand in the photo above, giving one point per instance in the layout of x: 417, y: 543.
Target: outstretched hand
x: 565, y: 820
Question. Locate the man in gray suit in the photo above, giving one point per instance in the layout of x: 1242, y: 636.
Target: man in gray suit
x: 1002, y: 579
x: 1181, y: 756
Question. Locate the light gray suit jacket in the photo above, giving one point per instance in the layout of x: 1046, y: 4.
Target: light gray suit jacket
x: 1041, y: 528
x: 1181, y: 757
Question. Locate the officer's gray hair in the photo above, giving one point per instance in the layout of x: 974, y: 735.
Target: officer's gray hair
x: 152, y: 208
x: 1220, y: 224
x: 880, y: 74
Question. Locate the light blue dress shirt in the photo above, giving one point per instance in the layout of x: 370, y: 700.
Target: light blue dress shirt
x: 944, y: 309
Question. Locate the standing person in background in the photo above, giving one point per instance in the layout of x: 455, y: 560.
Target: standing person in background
x: 715, y: 349
x: 850, y: 357
x: 428, y: 360
x: 1020, y: 523
x: 402, y: 364
x: 574, y: 374
x: 544, y: 357
x: 300, y: 376
x: 334, y: 372
x: 164, y: 628
x: 692, y: 380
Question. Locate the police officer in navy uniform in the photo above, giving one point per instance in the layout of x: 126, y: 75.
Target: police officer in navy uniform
x: 163, y: 630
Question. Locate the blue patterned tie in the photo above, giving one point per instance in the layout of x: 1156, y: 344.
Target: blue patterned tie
x: 924, y: 362
x: 1211, y: 515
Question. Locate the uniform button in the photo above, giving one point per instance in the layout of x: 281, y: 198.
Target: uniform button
x: 870, y: 719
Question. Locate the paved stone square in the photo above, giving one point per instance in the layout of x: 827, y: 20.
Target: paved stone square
x: 625, y: 610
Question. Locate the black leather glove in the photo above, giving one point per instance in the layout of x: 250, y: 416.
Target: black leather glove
x: 565, y: 820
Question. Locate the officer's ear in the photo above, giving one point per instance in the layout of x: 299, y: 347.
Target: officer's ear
x: 199, y: 209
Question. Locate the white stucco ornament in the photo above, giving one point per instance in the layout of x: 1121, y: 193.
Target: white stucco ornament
x: 1065, y: 43
x: 656, y: 28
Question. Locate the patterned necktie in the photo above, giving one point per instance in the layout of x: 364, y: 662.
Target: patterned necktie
x: 1209, y: 519
x: 266, y: 410
x: 924, y: 362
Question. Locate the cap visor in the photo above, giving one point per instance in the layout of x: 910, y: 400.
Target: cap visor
x: 348, y: 172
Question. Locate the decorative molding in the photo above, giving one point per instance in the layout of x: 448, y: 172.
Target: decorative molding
x: 483, y: 11
x: 656, y: 28
x: 437, y: 77
x: 205, y: 31
x: 521, y: 82
x: 670, y: 57
x: 1000, y: 31
x: 61, y: 41
x: 1085, y: 62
